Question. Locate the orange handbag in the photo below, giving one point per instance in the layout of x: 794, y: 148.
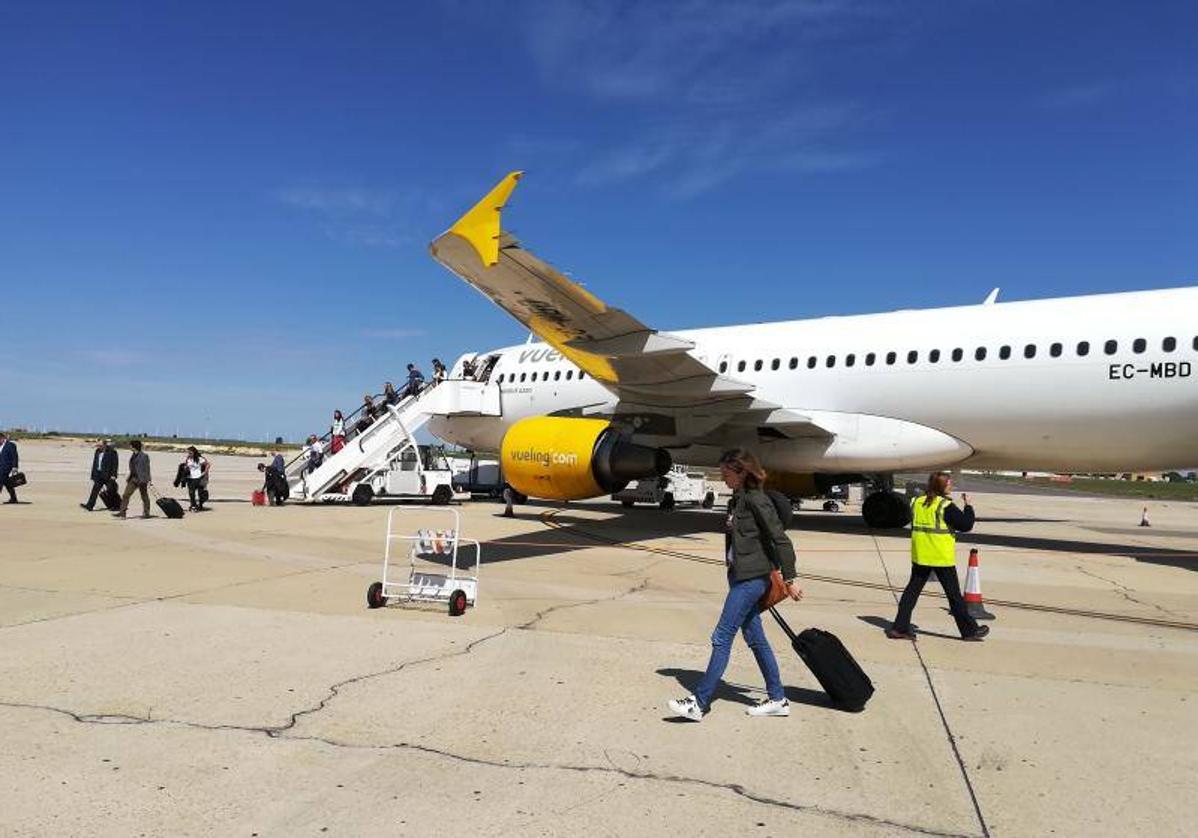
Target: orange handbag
x: 775, y: 593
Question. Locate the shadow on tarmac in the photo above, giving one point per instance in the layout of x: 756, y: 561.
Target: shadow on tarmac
x: 882, y: 623
x: 640, y: 524
x: 688, y: 679
x: 1151, y: 554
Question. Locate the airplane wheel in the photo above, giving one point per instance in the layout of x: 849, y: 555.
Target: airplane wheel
x: 457, y: 603
x: 362, y: 496
x: 709, y: 500
x: 885, y: 511
x: 441, y: 496
x: 374, y: 595
x: 667, y: 501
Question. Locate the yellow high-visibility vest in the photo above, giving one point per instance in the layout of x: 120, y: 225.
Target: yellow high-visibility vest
x: 932, y: 540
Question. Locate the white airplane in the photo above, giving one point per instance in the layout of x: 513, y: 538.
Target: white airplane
x: 1099, y: 383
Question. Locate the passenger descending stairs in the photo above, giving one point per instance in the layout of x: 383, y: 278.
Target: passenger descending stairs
x: 389, y: 434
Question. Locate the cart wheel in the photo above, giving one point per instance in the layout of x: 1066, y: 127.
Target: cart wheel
x: 627, y: 504
x: 667, y: 501
x: 457, y: 603
x: 441, y: 496
x: 831, y: 506
x: 709, y: 500
x: 362, y: 496
x: 374, y: 595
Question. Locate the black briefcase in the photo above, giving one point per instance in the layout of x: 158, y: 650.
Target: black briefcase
x: 17, y: 478
x: 837, y: 671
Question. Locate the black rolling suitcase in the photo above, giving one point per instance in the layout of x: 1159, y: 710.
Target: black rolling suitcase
x: 837, y: 672
x: 111, y: 497
x: 170, y: 507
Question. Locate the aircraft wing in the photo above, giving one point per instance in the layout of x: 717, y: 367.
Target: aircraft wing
x: 640, y: 365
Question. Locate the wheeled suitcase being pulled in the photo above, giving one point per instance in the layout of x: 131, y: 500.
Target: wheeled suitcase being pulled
x: 110, y: 496
x: 837, y: 671
x: 170, y: 507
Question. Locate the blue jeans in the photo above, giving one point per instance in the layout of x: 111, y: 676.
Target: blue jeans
x: 740, y: 614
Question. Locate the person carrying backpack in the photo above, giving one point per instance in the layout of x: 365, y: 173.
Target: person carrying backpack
x: 755, y: 543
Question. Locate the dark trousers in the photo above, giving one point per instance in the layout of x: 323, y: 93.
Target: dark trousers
x: 952, y: 589
x: 196, y: 492
x: 97, y: 487
x: 12, y: 491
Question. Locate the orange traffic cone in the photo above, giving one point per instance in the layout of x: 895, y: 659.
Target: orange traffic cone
x: 1144, y: 518
x: 973, y: 589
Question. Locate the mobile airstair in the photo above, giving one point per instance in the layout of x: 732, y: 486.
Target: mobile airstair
x: 383, y: 458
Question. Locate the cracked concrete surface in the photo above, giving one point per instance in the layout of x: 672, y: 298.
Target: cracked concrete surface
x: 220, y: 675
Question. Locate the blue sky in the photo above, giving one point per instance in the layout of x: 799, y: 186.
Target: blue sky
x: 214, y: 217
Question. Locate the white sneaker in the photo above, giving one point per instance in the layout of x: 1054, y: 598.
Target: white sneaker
x: 687, y: 707
x: 781, y: 707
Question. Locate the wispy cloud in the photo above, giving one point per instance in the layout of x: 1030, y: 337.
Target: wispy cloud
x: 393, y: 334
x: 341, y: 200
x: 695, y: 156
x: 359, y: 216
x: 113, y: 358
x: 699, y: 92
x: 1080, y: 95
x: 648, y: 50
x: 369, y: 235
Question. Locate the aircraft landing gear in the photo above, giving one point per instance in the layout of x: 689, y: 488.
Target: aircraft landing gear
x: 885, y: 510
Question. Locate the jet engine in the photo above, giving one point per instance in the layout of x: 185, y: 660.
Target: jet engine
x: 562, y: 458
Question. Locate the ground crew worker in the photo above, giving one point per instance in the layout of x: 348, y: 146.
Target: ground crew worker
x: 934, y: 524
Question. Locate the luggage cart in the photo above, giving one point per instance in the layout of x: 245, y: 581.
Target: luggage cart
x: 426, y: 548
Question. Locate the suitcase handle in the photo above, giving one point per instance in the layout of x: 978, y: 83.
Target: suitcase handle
x: 785, y: 626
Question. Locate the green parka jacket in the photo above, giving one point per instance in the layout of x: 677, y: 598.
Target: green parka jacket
x: 755, y: 540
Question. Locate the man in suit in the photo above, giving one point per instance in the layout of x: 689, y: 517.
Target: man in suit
x: 9, y: 461
x: 137, y: 481
x: 104, y: 468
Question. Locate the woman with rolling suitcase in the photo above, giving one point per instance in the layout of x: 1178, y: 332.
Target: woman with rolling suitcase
x: 755, y: 547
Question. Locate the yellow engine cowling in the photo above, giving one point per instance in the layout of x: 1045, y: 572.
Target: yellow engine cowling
x: 560, y: 458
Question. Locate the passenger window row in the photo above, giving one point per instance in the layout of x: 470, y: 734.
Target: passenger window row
x: 510, y: 377
x: 1055, y: 350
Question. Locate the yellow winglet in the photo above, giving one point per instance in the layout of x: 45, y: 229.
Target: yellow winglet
x: 480, y: 226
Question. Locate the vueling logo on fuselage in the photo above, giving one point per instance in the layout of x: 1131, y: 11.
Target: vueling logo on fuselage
x: 544, y: 458
x: 537, y: 355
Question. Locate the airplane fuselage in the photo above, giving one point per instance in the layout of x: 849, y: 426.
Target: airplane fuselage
x: 1096, y: 383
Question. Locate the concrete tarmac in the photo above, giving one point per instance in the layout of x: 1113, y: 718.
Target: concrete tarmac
x: 221, y: 675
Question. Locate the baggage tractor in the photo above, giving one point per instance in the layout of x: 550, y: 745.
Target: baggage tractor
x: 110, y: 496
x: 837, y: 672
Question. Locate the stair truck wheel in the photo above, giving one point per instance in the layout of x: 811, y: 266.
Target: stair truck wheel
x: 374, y: 595
x: 457, y: 603
x: 667, y: 501
x: 441, y: 495
x: 709, y: 500
x: 627, y: 504
x: 362, y: 495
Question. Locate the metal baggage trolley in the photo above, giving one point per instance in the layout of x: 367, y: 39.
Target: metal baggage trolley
x: 428, y: 551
